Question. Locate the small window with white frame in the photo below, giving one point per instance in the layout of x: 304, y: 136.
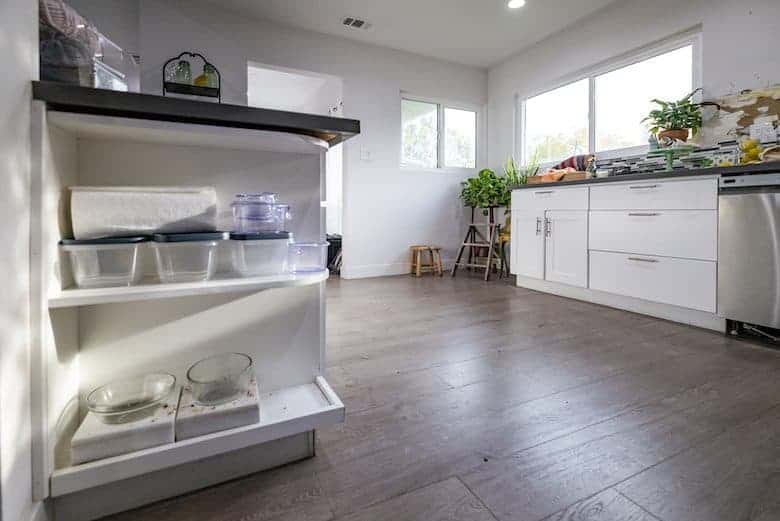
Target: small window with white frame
x: 437, y: 135
x: 601, y: 110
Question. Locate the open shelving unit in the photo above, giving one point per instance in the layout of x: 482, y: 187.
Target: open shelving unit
x: 83, y: 338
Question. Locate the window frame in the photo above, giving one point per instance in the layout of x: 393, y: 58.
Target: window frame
x: 440, y: 133
x: 690, y: 38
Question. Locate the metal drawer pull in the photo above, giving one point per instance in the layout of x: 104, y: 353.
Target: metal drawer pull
x: 542, y: 192
x: 548, y: 227
x: 640, y: 214
x: 642, y: 187
x: 640, y: 259
x: 538, y: 226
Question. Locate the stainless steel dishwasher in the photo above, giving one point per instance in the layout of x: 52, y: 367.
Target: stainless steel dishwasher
x: 749, y: 251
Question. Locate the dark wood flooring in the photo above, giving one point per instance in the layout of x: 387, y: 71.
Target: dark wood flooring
x: 480, y: 401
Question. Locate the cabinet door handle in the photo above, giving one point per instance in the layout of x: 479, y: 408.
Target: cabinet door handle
x: 642, y: 187
x: 548, y: 227
x: 640, y: 259
x: 538, y: 226
x: 543, y: 192
x: 643, y: 214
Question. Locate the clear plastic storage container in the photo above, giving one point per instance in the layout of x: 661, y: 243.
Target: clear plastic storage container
x: 305, y: 257
x: 104, y: 262
x: 256, y: 254
x: 186, y: 257
x: 253, y: 213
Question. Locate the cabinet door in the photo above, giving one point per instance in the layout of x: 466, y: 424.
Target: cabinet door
x: 566, y: 256
x: 527, y: 244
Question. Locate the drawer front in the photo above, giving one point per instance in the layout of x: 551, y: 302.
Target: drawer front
x: 679, y: 282
x: 691, y: 194
x: 550, y: 198
x: 690, y: 234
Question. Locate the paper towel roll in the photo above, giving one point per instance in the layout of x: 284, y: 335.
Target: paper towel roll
x: 105, y: 211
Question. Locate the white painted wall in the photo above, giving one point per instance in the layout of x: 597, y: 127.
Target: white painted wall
x: 18, y: 46
x: 739, y: 51
x: 386, y: 209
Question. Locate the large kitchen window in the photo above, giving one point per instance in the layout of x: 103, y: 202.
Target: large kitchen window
x: 602, y: 111
x: 435, y: 135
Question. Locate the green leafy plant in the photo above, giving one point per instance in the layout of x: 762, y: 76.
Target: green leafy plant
x: 486, y: 190
x: 518, y: 175
x: 675, y: 115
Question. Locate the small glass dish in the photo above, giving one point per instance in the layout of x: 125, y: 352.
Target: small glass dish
x: 132, y: 399
x: 219, y: 379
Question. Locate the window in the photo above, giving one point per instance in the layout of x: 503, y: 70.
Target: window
x: 623, y: 96
x: 603, y: 111
x: 556, y: 123
x: 434, y: 135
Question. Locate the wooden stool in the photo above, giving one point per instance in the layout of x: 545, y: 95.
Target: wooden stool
x: 419, y: 267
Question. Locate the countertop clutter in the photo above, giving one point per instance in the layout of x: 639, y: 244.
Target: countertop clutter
x: 725, y: 171
x: 116, y: 227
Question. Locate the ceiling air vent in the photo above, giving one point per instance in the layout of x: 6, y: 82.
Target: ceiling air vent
x: 355, y: 23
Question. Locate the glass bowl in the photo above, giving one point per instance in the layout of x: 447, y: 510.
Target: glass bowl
x: 132, y: 399
x: 219, y: 379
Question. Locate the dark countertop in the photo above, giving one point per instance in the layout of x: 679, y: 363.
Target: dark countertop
x: 101, y: 102
x: 725, y: 171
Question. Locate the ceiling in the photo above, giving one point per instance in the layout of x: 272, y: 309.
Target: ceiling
x: 473, y: 32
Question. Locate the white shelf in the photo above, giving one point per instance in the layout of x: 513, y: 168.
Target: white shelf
x: 286, y: 412
x: 87, y: 297
x: 188, y: 134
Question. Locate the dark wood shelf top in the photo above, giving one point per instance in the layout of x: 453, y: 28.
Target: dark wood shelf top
x: 86, y: 100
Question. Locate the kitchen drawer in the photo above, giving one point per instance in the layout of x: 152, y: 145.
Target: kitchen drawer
x: 688, y: 194
x: 691, y: 234
x: 547, y: 197
x: 680, y: 282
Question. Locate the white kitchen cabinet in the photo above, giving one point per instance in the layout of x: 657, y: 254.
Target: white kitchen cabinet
x: 687, y: 234
x: 566, y: 247
x: 667, y: 194
x: 527, y: 255
x: 680, y: 282
x: 550, y: 234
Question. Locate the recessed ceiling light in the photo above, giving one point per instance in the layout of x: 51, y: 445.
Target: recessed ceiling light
x: 515, y: 4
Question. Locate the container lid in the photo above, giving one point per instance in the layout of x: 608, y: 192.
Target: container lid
x: 262, y: 198
x: 104, y: 240
x: 259, y: 236
x: 190, y: 237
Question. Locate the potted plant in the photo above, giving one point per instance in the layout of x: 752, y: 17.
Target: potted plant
x: 487, y: 190
x: 675, y: 119
x: 518, y: 175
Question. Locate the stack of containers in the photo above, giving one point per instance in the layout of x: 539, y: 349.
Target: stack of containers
x: 112, y: 224
x: 262, y: 246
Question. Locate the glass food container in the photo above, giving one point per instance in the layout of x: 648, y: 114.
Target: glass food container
x: 219, y: 379
x: 132, y: 399
x: 186, y: 257
x: 259, y: 213
x: 307, y: 257
x: 111, y: 261
x: 256, y: 254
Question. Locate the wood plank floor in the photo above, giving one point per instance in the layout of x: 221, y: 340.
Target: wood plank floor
x: 478, y: 401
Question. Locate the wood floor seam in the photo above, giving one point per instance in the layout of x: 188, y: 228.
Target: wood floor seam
x: 638, y: 505
x: 487, y: 507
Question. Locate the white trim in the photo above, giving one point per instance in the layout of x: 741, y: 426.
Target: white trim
x: 691, y: 37
x: 665, y: 311
x: 441, y: 105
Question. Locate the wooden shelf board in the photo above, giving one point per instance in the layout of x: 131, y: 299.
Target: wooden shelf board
x: 91, y: 296
x: 285, y: 412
